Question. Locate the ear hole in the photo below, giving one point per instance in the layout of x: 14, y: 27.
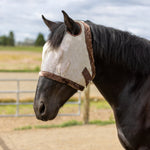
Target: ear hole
x: 77, y: 30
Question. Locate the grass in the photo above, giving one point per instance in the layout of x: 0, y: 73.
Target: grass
x: 11, y: 109
x: 24, y: 128
x: 102, y: 123
x: 7, y: 100
x: 7, y: 110
x: 21, y: 48
x: 101, y: 104
x: 68, y: 108
x: 63, y: 125
x: 67, y: 124
x: 36, y: 69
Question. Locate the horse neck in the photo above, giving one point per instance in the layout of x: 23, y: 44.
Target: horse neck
x: 111, y: 78
x: 111, y: 81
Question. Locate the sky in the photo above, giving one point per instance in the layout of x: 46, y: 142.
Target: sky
x: 23, y: 17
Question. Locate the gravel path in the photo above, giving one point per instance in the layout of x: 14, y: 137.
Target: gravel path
x: 89, y: 137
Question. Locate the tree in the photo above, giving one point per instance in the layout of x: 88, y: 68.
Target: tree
x: 7, y: 40
x: 3, y: 40
x: 11, y: 40
x: 39, y: 40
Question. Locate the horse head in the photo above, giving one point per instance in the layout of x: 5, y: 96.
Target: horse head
x: 67, y: 66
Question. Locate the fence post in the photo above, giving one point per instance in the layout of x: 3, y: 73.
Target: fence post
x: 18, y: 97
x: 86, y: 107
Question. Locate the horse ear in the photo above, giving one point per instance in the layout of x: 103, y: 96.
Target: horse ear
x: 71, y: 25
x: 48, y: 22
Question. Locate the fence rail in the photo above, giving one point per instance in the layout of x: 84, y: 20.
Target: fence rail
x: 18, y: 103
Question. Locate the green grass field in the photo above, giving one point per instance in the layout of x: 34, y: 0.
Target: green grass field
x: 21, y: 48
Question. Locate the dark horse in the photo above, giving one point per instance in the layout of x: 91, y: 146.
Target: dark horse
x: 122, y: 63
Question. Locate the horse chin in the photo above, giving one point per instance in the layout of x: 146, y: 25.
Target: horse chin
x: 47, y: 117
x: 52, y: 116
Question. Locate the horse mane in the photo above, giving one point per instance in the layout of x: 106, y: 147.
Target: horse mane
x: 112, y: 46
x: 121, y: 48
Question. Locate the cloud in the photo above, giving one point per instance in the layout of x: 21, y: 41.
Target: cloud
x: 24, y: 17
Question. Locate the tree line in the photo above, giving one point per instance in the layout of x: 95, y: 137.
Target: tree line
x: 10, y: 40
x: 7, y: 40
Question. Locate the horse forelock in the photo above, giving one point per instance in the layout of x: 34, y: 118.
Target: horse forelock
x: 57, y: 34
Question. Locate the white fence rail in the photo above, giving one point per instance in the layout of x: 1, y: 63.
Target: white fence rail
x: 18, y: 103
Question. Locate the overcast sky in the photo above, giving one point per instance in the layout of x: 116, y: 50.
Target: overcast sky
x: 24, y: 16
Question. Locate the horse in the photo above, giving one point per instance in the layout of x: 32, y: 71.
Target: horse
x: 116, y: 61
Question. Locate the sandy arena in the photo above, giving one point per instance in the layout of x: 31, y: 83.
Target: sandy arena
x: 89, y: 137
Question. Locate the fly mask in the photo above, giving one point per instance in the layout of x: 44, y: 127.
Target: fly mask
x: 72, y: 62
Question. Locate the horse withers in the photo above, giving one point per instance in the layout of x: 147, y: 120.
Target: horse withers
x: 116, y: 61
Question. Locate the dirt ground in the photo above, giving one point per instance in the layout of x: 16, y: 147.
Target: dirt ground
x: 89, y: 137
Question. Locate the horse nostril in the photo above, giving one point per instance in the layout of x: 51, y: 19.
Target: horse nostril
x: 42, y: 108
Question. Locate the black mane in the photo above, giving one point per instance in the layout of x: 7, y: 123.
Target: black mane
x: 122, y: 48
x: 113, y: 46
